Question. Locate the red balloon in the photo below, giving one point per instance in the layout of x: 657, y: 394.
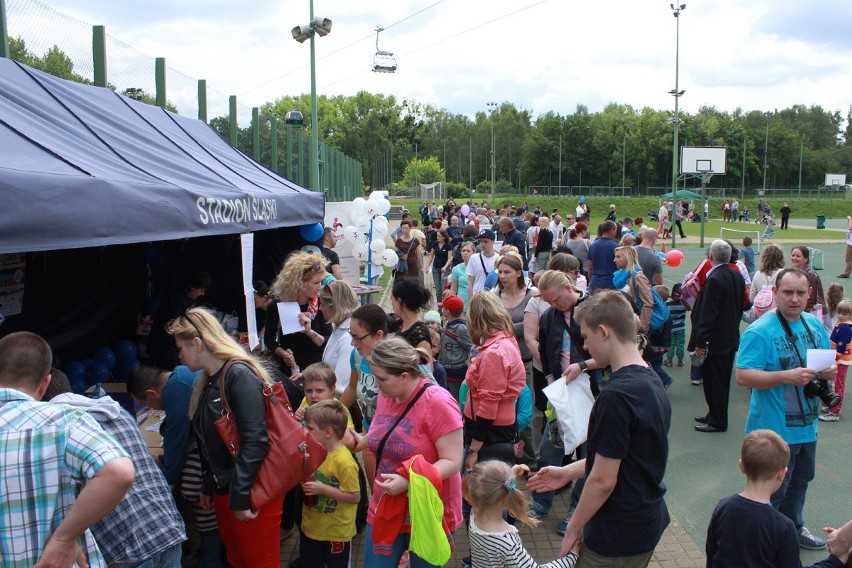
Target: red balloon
x: 674, y: 258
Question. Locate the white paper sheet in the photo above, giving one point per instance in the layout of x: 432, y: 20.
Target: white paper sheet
x: 288, y: 313
x: 247, y: 244
x: 820, y: 359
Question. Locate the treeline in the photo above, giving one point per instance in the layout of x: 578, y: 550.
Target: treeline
x: 597, y: 148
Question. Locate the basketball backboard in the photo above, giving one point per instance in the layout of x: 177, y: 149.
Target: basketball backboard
x: 835, y: 179
x: 704, y: 160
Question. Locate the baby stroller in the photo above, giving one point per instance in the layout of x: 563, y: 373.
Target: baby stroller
x: 653, y: 216
x: 768, y: 232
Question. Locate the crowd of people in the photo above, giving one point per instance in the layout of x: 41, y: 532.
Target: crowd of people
x: 428, y: 417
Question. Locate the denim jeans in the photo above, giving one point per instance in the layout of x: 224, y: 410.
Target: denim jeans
x: 656, y: 361
x: 438, y: 281
x: 549, y: 454
x: 790, y: 497
x: 168, y: 558
x: 213, y: 554
x: 400, y: 545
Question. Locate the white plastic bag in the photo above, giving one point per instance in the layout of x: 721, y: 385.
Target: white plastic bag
x: 573, y: 404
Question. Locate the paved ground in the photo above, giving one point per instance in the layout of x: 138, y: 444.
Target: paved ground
x: 702, y: 468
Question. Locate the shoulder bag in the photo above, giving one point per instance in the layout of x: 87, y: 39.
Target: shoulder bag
x: 294, y: 454
x: 402, y: 265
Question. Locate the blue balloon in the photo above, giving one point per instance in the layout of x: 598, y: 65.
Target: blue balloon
x: 106, y: 356
x: 88, y: 362
x: 75, y: 370
x: 78, y: 385
x: 311, y: 233
x: 126, y: 367
x: 97, y: 373
x: 125, y: 350
x: 661, y: 255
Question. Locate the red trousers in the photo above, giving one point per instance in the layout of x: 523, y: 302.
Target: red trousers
x: 252, y: 544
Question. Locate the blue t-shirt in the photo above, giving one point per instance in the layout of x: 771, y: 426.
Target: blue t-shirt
x: 602, y: 256
x: 747, y: 255
x: 176, y: 394
x: 783, y: 409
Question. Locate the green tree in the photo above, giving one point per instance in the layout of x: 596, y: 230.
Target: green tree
x: 423, y: 170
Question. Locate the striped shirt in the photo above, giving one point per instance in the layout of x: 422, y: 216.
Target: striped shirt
x: 47, y: 451
x: 191, y: 484
x: 146, y: 521
x: 505, y: 550
x: 677, y: 313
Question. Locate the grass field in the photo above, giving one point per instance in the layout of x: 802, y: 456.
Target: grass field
x: 635, y: 207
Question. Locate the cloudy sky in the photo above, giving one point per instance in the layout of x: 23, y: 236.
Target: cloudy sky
x: 539, y: 54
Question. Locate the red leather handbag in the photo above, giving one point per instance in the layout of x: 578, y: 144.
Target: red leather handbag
x: 294, y: 454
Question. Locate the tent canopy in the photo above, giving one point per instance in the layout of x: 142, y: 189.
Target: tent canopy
x: 82, y: 166
x: 682, y: 194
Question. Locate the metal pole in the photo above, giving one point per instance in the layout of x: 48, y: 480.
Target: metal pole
x: 559, y: 191
x: 232, y: 120
x: 765, y: 154
x: 313, y: 172
x: 4, y: 34
x: 677, y: 93
x: 623, y: 162
x: 99, y: 55
x: 470, y: 163
x: 742, y: 191
x: 202, y: 100
x: 273, y: 143
x: 492, y: 107
x: 801, y: 151
x: 703, y: 200
x: 255, y: 134
x: 160, y: 80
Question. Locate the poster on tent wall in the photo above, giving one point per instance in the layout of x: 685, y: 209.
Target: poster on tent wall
x: 12, y: 283
x: 337, y: 216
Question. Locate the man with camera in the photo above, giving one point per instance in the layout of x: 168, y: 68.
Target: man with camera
x: 785, y: 394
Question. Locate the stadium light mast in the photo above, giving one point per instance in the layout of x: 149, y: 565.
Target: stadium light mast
x: 492, y: 106
x: 677, y: 92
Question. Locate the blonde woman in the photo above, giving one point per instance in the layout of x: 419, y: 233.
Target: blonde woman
x: 771, y: 263
x: 299, y: 281
x: 337, y: 301
x: 495, y: 378
x: 251, y: 537
x: 431, y: 427
x: 629, y: 279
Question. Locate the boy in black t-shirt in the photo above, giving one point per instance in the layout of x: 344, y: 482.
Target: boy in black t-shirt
x: 621, y: 514
x: 745, y: 530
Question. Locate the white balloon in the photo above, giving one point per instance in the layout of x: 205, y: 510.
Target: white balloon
x: 377, y: 195
x: 377, y: 259
x: 383, y: 206
x: 377, y: 246
x: 380, y: 220
x: 379, y: 231
x: 354, y: 215
x: 351, y: 233
x: 361, y: 239
x: 389, y: 257
x: 359, y: 203
x: 360, y: 252
x: 372, y: 208
x: 363, y: 223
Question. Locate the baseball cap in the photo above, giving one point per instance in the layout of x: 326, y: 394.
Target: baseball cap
x: 452, y: 304
x: 432, y: 317
x: 487, y: 234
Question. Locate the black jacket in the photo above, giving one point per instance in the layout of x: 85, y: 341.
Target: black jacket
x: 550, y: 328
x: 718, y: 311
x: 222, y: 474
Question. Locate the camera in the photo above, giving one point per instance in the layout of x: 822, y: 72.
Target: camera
x: 819, y: 388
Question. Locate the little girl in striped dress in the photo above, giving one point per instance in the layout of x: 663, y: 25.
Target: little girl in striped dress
x: 491, y: 489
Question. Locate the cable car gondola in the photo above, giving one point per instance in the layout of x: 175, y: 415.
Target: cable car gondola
x: 383, y: 61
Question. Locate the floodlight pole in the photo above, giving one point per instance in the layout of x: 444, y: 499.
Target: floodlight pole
x: 492, y: 106
x: 765, y: 154
x: 313, y: 172
x: 677, y: 94
x: 4, y: 34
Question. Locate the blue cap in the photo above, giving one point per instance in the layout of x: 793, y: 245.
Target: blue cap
x: 487, y: 234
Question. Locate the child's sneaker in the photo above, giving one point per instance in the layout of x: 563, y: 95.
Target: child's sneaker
x: 563, y: 526
x: 680, y: 362
x: 667, y: 362
x: 829, y: 417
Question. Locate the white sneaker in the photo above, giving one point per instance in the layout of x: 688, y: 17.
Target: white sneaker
x: 829, y: 417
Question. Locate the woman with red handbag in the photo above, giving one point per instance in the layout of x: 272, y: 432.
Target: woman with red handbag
x: 251, y: 537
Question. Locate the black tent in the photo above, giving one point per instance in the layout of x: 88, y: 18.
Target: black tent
x: 81, y: 166
x: 121, y: 198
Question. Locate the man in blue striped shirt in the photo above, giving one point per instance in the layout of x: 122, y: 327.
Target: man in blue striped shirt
x: 61, y: 472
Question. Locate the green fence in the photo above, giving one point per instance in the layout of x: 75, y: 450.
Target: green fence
x: 75, y: 50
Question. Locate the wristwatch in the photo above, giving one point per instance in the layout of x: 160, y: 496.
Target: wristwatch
x: 583, y: 365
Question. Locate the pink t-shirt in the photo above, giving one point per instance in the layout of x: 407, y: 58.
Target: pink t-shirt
x: 433, y: 416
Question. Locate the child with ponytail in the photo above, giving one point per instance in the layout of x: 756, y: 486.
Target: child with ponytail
x: 491, y: 489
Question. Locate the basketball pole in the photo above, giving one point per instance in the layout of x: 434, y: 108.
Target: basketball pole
x: 676, y: 120
x: 704, y: 179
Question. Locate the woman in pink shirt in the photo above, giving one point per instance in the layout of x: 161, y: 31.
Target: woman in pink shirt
x: 495, y: 378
